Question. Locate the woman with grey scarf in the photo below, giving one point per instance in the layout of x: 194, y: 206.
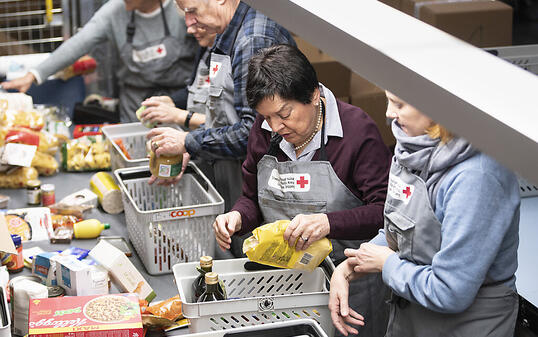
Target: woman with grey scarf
x: 448, y: 249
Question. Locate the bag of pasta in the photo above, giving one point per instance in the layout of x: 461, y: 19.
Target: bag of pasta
x: 88, y: 153
x: 267, y: 246
x: 45, y: 142
x: 17, y: 177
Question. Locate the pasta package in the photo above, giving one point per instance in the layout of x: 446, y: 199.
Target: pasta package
x: 89, y: 153
x: 32, y: 119
x: 45, y: 164
x: 267, y: 246
x: 44, y: 141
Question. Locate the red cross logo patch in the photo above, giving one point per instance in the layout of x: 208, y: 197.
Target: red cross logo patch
x: 302, y: 182
x: 214, y: 69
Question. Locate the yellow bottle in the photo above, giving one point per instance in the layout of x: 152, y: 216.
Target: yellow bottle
x: 89, y: 229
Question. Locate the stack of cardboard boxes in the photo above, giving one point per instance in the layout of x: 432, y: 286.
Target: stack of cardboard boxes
x: 483, y: 23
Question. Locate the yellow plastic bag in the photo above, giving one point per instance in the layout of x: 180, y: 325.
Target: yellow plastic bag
x: 267, y: 246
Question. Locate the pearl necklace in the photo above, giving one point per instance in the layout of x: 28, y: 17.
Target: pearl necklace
x: 315, y: 130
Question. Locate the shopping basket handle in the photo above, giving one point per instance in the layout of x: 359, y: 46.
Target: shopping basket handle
x: 134, y: 175
x: 255, y: 266
x: 191, y: 171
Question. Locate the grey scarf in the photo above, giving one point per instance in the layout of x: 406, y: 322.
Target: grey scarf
x: 427, y: 157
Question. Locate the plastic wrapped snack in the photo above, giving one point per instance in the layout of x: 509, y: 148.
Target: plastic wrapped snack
x: 88, y: 153
x: 17, y: 178
x: 26, y: 118
x: 45, y: 164
x: 267, y: 246
x: 45, y: 142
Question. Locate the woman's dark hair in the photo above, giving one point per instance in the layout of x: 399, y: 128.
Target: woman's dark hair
x: 280, y: 70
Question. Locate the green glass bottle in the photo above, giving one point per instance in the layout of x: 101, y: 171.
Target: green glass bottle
x: 211, y: 292
x: 206, y: 266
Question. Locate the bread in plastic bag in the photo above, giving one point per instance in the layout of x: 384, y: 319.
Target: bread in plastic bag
x: 267, y: 246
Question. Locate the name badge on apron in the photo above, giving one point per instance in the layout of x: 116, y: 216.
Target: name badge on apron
x: 399, y: 190
x: 149, y: 53
x: 290, y: 182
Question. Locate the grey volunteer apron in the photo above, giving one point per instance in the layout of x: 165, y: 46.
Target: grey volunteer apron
x: 221, y: 112
x: 286, y: 189
x: 154, y: 68
x: 413, y: 231
x: 199, y: 89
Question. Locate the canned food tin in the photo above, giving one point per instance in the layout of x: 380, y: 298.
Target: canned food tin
x: 56, y: 291
x: 47, y: 194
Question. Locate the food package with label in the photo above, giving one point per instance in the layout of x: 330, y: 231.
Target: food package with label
x: 121, y: 270
x: 79, y: 278
x: 267, y: 246
x: 17, y: 177
x: 44, y: 266
x: 88, y: 153
x: 45, y: 142
x: 79, y: 316
x: 16, y: 109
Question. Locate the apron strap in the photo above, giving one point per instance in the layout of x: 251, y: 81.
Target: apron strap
x: 166, y: 29
x: 274, y: 144
x: 233, y: 43
x: 322, y: 151
x: 131, y: 28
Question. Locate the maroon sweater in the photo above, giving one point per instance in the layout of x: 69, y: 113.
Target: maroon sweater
x: 360, y: 159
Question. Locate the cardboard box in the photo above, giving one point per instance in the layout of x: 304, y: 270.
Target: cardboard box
x: 79, y: 278
x: 80, y: 316
x: 374, y: 103
x: 334, y: 75
x: 478, y: 22
x: 122, y: 271
x: 44, y: 266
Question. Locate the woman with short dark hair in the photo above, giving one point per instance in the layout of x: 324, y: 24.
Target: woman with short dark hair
x: 314, y: 160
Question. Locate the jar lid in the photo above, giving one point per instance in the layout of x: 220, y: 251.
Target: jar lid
x: 47, y: 187
x: 206, y: 261
x: 211, y: 278
x: 33, y: 183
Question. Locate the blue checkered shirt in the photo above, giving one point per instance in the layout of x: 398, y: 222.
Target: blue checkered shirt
x: 256, y: 32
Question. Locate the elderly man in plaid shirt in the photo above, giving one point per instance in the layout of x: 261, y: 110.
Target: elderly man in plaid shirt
x: 222, y: 141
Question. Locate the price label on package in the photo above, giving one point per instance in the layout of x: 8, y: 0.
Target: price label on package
x: 18, y: 154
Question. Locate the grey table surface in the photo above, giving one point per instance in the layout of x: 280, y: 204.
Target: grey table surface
x: 67, y: 183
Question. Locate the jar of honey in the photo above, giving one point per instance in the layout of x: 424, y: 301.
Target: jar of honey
x: 165, y: 167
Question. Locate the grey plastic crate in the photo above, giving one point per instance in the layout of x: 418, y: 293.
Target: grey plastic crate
x: 169, y: 224
x: 255, y: 297
x: 133, y: 136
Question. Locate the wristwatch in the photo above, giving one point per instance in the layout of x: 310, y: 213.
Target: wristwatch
x: 188, y: 119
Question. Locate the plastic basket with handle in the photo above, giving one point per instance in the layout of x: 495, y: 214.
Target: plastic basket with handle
x: 255, y: 297
x: 169, y: 224
x: 133, y: 137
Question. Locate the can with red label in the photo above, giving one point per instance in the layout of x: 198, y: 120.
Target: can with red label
x: 48, y: 196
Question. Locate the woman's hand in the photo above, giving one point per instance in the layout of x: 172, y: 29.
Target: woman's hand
x: 174, y: 180
x: 167, y: 141
x: 225, y: 226
x: 306, y: 229
x: 369, y: 258
x: 22, y: 84
x: 159, y: 110
x: 342, y: 315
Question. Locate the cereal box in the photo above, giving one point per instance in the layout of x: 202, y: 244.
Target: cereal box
x: 115, y: 315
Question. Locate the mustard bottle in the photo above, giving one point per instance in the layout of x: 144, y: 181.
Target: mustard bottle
x: 89, y: 229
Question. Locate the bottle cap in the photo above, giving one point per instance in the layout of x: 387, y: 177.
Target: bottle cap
x: 47, y: 187
x: 106, y: 225
x: 16, y: 239
x: 33, y: 183
x: 206, y: 261
x: 211, y: 278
